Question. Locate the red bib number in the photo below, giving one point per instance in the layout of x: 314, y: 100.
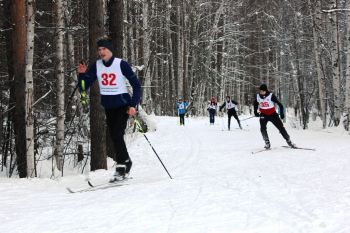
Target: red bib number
x: 109, y: 79
x: 264, y: 104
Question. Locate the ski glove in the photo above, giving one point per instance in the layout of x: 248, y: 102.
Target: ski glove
x: 256, y: 114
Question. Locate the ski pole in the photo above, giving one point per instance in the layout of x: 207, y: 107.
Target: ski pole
x: 75, y: 89
x: 144, y: 134
x: 247, y: 118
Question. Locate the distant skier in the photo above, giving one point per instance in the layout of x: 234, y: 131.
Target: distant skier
x: 212, y: 106
x: 181, y: 106
x: 264, y: 107
x: 231, y: 111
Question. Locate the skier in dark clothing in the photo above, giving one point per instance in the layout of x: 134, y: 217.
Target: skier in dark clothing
x: 264, y: 107
x: 231, y: 111
x: 112, y: 74
x: 212, y: 105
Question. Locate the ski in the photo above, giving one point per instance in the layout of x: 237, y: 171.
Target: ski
x: 90, y: 189
x: 109, y: 182
x: 300, y: 148
x: 93, y: 187
x: 259, y: 151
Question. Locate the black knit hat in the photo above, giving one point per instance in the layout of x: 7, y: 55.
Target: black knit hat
x: 263, y: 87
x: 105, y: 43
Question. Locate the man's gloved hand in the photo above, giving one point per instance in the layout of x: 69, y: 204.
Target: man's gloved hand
x: 131, y: 111
x: 257, y: 114
x: 81, y: 68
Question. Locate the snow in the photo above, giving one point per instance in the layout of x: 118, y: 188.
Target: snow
x: 218, y: 186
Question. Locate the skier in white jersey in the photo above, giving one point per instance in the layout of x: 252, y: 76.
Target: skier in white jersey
x: 112, y: 74
x: 231, y: 111
x: 264, y: 107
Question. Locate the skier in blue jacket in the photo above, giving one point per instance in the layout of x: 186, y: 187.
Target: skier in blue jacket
x: 112, y: 73
x: 181, y: 106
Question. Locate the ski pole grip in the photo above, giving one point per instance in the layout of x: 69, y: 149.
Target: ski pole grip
x: 83, y: 85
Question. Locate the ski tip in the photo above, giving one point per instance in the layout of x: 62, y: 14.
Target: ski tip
x: 91, y: 185
x: 70, y: 190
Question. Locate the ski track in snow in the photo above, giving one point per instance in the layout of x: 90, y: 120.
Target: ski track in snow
x: 219, y: 186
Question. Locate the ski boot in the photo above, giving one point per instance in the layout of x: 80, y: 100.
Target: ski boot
x: 128, y: 164
x: 119, y: 173
x: 267, y: 145
x: 291, y: 144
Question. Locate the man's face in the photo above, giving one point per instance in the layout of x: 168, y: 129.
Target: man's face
x: 262, y: 92
x: 104, y: 53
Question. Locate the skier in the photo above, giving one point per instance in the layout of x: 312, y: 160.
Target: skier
x: 212, y: 105
x: 112, y: 74
x: 264, y: 107
x: 181, y: 106
x: 231, y: 111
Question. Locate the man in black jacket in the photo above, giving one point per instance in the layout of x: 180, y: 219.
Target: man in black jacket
x: 112, y: 74
x: 264, y: 107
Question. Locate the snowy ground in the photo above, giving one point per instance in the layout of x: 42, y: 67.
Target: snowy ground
x: 218, y: 186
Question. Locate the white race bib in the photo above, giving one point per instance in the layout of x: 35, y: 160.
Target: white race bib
x: 212, y: 106
x: 230, y: 105
x: 111, y: 79
x: 266, y: 103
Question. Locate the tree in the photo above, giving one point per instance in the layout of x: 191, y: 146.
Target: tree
x: 19, y: 36
x: 60, y: 85
x: 29, y: 93
x: 317, y: 25
x: 336, y: 62
x: 97, y: 117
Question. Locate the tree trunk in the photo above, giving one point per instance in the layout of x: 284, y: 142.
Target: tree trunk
x: 29, y: 89
x: 317, y: 23
x: 18, y: 19
x: 336, y: 63
x: 115, y: 22
x: 60, y: 86
x: 146, y: 93
x: 97, y: 116
x: 180, y: 45
x: 347, y: 87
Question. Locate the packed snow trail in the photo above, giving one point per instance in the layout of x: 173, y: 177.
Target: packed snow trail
x: 219, y: 186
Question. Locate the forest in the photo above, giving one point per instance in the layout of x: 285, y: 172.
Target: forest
x: 190, y: 49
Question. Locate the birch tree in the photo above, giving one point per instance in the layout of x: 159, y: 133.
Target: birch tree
x: 317, y: 26
x: 147, y: 79
x: 347, y: 88
x: 60, y: 85
x: 336, y: 63
x: 29, y: 93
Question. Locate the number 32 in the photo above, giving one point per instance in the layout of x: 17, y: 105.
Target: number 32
x: 109, y: 79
